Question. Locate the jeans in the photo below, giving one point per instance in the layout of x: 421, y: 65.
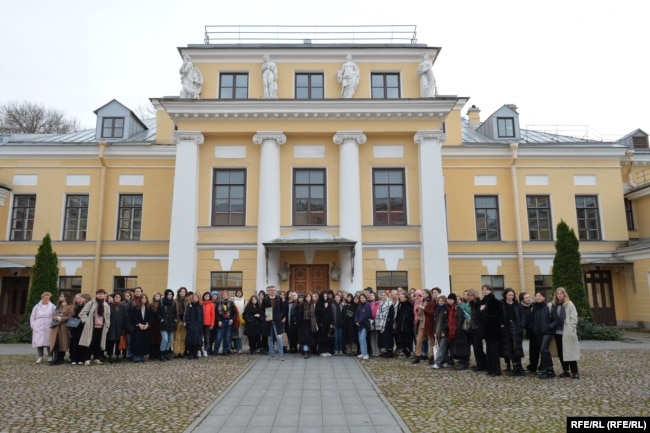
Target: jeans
x: 224, y: 333
x: 338, y: 341
x: 362, y: 341
x: 166, y: 338
x: 277, y: 337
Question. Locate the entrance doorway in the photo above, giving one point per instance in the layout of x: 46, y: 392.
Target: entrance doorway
x: 601, y: 296
x: 13, y: 300
x: 309, y: 278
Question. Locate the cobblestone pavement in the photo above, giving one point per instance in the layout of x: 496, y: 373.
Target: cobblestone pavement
x: 168, y: 397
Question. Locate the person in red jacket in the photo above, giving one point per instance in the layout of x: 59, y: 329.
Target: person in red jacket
x: 208, y: 321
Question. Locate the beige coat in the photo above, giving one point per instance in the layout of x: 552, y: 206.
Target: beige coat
x: 570, y: 344
x: 86, y: 317
x: 61, y: 332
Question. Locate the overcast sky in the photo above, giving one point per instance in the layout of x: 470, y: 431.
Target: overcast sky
x: 562, y: 62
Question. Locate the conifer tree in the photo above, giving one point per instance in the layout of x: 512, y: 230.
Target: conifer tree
x: 567, y: 271
x: 45, y: 275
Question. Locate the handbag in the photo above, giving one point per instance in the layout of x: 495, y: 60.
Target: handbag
x: 73, y: 322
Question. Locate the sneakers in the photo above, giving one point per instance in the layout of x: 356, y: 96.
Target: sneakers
x: 445, y: 365
x: 271, y: 356
x: 39, y: 359
x: 87, y: 363
x: 360, y: 356
x: 50, y: 359
x: 74, y: 363
x: 97, y: 362
x: 205, y: 353
x: 436, y: 366
x: 366, y: 357
x: 282, y: 358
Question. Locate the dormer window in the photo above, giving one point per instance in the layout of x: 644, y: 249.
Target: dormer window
x: 506, y: 127
x: 113, y: 127
x: 640, y: 142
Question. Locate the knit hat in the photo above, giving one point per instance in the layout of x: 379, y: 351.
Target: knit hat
x: 452, y: 296
x: 214, y: 292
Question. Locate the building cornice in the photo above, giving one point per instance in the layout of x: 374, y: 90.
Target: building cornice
x: 291, y: 109
x: 551, y: 151
x: 54, y: 151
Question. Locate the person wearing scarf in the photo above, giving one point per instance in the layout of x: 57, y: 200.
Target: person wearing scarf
x: 307, y: 325
x: 96, y: 319
x: 166, y: 316
x: 566, y: 333
x: 441, y: 332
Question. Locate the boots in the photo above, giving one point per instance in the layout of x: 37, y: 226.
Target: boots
x: 431, y: 360
x: 518, y: 370
x: 508, y: 366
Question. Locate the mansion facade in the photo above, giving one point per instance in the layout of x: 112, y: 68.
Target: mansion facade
x: 314, y: 166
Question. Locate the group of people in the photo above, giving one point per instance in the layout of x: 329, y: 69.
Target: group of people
x: 421, y: 323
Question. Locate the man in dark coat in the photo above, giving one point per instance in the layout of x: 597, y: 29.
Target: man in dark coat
x: 491, y: 316
x: 275, y: 312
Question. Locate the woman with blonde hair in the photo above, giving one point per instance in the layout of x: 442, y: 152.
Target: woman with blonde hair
x: 40, y: 321
x: 566, y: 333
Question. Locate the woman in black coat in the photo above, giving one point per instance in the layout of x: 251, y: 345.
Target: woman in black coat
x: 140, y: 317
x: 193, y: 320
x: 119, y: 315
x: 253, y: 317
x: 544, y: 320
x: 404, y: 324
x: 492, y: 321
x: 513, y: 332
x: 350, y: 332
x: 325, y: 321
x: 458, y: 338
x: 307, y: 325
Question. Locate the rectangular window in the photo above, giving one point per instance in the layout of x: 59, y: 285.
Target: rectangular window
x: 233, y: 86
x: 588, y: 217
x: 226, y: 280
x: 112, y: 127
x: 506, y: 127
x: 70, y: 285
x: 389, y: 196
x: 496, y: 281
x: 76, y: 218
x: 543, y: 283
x: 486, y: 209
x: 629, y: 215
x: 309, y: 204
x: 229, y: 198
x: 129, y: 223
x: 22, y: 217
x: 539, y: 218
x: 121, y: 284
x: 309, y: 86
x: 385, y: 85
x: 389, y: 280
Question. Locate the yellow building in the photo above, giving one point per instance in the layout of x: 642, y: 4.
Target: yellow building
x: 313, y: 165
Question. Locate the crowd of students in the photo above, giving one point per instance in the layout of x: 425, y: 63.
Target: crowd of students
x: 422, y: 324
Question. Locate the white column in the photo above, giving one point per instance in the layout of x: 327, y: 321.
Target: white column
x: 183, y: 234
x: 433, y: 215
x: 350, y: 207
x: 268, y: 220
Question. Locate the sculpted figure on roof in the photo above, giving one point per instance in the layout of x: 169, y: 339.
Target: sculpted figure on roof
x: 270, y: 78
x: 428, y: 87
x: 191, y: 79
x: 348, y: 76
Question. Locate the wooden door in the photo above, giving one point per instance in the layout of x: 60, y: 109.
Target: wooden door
x: 309, y: 278
x: 13, y: 301
x: 601, y: 296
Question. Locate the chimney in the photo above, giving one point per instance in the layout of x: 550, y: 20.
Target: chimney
x: 474, y: 114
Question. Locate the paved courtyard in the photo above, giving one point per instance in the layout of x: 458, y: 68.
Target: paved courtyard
x: 314, y: 395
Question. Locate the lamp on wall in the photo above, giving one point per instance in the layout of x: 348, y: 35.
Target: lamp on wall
x: 284, y: 272
x: 335, y: 272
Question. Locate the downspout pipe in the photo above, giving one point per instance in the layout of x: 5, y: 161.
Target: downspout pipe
x: 515, y: 192
x: 100, y: 216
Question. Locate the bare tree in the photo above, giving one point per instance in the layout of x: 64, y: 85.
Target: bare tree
x: 31, y: 118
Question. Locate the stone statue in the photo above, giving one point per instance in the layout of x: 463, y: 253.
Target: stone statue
x: 428, y: 87
x: 269, y: 78
x: 191, y: 79
x: 348, y: 76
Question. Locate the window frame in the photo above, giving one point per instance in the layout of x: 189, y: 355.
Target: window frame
x: 234, y: 86
x: 113, y: 128
x: 584, y: 232
x: 393, y: 280
x: 543, y: 283
x: 79, y: 233
x: 375, y: 185
x: 216, y: 187
x: 502, y: 125
x: 385, y: 87
x: 310, y: 87
x: 629, y: 214
x: 130, y: 282
x: 536, y: 209
x: 226, y: 277
x: 486, y: 219
x: 497, y: 286
x: 131, y: 219
x: 28, y: 212
x: 67, y: 284
x: 309, y: 214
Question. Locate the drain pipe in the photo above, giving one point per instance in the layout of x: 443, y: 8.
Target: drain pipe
x: 100, y: 216
x: 515, y: 192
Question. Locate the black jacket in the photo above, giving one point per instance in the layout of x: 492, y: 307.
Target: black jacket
x: 544, y: 318
x: 491, y: 318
